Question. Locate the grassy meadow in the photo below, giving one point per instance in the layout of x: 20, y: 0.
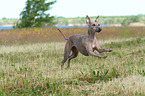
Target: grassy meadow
x: 30, y: 63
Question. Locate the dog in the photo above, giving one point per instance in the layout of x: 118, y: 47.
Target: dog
x: 85, y: 44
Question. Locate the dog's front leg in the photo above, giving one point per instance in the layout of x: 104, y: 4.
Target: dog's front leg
x: 91, y: 53
x: 104, y: 50
x: 99, y: 49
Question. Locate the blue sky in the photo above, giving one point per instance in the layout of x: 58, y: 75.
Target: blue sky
x: 81, y: 8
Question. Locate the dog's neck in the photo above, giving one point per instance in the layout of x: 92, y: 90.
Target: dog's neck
x: 91, y: 33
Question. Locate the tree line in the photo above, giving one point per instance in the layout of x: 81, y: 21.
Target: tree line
x: 123, y: 20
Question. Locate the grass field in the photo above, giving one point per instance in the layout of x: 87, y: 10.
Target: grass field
x: 30, y: 64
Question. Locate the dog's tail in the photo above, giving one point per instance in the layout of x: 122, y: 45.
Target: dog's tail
x: 62, y: 34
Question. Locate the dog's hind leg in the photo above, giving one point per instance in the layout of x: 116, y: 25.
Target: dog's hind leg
x: 67, y: 50
x: 73, y: 55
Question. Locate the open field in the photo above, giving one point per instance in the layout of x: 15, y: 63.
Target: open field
x: 30, y: 63
x: 35, y: 35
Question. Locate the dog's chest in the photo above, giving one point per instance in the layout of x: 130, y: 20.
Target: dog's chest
x: 93, y: 45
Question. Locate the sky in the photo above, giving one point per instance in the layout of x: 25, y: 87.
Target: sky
x: 78, y: 8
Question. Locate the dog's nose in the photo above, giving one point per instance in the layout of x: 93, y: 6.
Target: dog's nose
x: 99, y: 30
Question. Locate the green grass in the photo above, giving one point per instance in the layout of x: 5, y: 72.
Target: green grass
x: 34, y: 69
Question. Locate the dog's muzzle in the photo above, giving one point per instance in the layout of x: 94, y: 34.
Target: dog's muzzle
x: 98, y: 29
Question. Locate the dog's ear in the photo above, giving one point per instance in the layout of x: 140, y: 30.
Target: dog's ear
x: 88, y: 21
x: 97, y: 19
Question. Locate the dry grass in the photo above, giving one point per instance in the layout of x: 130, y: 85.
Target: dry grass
x: 31, y: 35
x: 32, y: 66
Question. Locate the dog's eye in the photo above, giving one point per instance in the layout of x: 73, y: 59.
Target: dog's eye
x: 94, y: 25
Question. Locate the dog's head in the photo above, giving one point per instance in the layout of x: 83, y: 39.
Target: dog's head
x: 94, y: 26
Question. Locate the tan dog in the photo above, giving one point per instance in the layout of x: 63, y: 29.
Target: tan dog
x: 85, y: 44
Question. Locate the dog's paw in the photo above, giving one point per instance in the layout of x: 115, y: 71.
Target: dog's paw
x: 110, y: 50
